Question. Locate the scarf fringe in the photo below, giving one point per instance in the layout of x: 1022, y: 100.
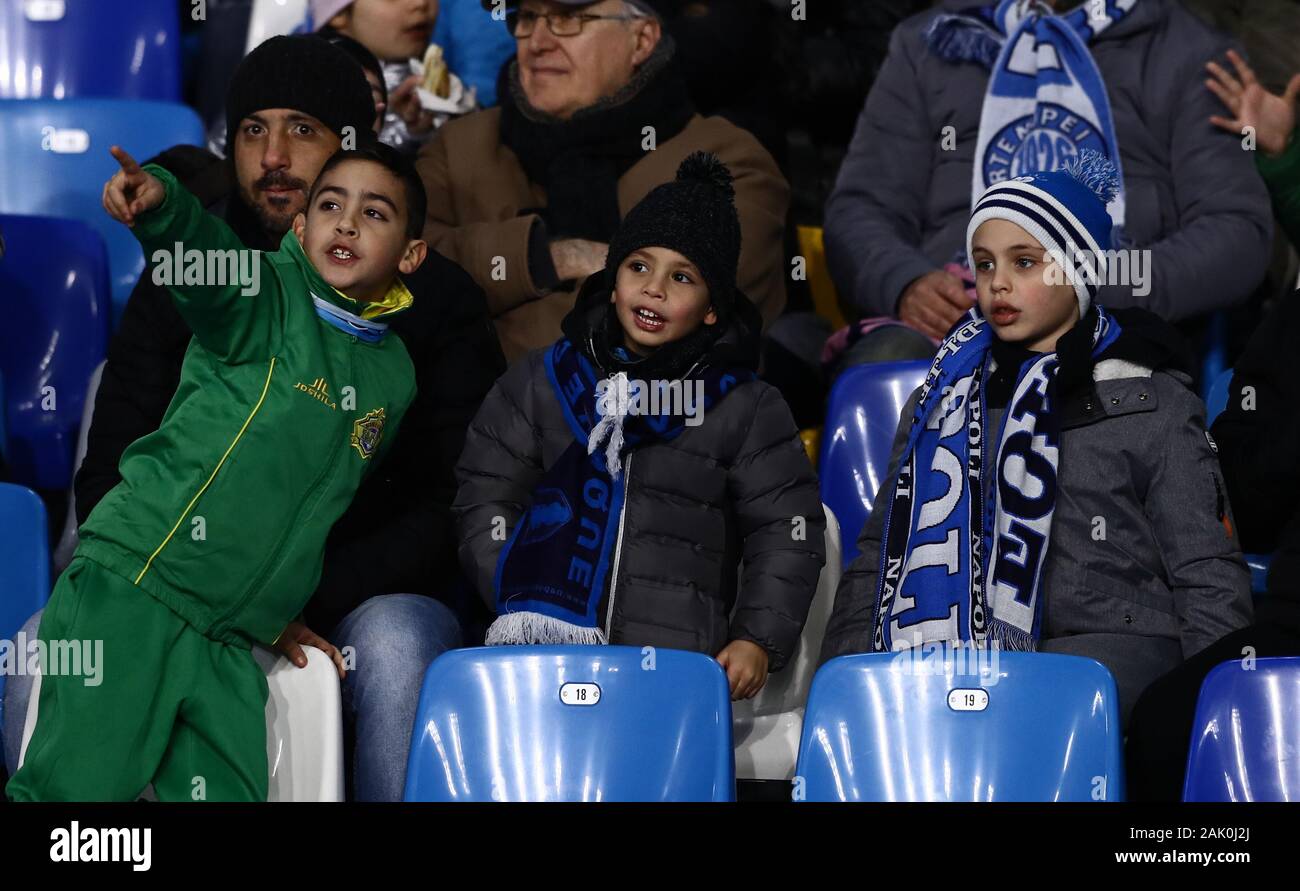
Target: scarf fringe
x: 524, y: 628
x: 1010, y: 638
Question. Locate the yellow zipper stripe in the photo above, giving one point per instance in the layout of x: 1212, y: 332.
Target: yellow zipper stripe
x: 217, y: 469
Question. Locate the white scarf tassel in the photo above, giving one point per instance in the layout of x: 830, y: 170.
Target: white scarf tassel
x: 613, y: 406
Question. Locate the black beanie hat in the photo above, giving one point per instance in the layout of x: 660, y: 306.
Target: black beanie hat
x: 306, y: 73
x: 695, y: 215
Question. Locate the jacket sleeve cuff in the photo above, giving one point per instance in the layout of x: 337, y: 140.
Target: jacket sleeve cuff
x: 153, y: 225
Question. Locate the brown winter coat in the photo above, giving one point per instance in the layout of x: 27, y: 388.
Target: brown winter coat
x: 481, y: 206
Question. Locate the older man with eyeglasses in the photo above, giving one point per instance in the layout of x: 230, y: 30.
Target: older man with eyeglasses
x: 593, y: 115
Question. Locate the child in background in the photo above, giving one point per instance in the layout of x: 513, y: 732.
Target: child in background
x: 370, y: 66
x: 628, y: 524
x: 397, y: 32
x: 289, y: 396
x: 1052, y: 486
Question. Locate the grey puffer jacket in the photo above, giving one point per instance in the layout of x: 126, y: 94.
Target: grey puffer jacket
x: 738, y: 486
x: 1159, y: 578
x: 901, y: 203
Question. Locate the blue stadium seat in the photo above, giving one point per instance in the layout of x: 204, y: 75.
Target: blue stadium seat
x: 53, y: 277
x: 961, y: 726
x: 1216, y: 401
x: 576, y: 723
x: 271, y: 18
x: 1214, y: 361
x: 24, y: 564
x: 56, y: 162
x: 73, y: 49
x: 861, y: 419
x: 1246, y: 733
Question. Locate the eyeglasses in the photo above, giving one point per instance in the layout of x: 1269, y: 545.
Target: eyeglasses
x: 522, y: 22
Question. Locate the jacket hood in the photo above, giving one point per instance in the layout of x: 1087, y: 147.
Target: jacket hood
x: 395, y: 300
x: 1144, y: 340
x: 592, y: 323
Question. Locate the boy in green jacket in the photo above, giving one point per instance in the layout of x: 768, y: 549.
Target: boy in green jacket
x: 290, y: 394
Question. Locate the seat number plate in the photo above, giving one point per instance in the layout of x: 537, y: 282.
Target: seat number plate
x: 44, y: 10
x: 968, y: 700
x: 580, y: 694
x: 69, y: 141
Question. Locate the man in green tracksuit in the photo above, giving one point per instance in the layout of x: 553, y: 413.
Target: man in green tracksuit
x: 290, y: 394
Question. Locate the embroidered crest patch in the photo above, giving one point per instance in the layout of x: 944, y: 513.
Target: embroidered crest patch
x: 367, y: 432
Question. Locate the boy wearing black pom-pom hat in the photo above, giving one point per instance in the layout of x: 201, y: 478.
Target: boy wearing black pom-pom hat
x: 612, y: 483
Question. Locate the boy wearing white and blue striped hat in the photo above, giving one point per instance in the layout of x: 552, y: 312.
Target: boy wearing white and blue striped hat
x: 1053, y: 486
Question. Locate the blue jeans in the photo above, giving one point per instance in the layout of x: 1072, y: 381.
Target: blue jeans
x: 395, y: 637
x: 18, y: 689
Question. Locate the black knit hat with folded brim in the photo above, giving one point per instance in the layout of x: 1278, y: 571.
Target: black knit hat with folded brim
x: 305, y: 73
x: 694, y: 215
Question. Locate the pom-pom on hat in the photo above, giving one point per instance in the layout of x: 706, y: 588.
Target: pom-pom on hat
x: 694, y: 215
x: 1065, y: 209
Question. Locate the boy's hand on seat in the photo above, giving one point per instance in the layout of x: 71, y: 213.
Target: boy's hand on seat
x: 746, y: 665
x: 131, y: 191
x: 296, y: 635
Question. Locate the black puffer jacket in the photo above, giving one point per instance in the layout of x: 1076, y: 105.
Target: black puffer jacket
x: 732, y: 488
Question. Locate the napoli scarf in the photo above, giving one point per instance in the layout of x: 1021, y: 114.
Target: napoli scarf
x: 1046, y: 101
x: 953, y: 567
x: 551, y: 574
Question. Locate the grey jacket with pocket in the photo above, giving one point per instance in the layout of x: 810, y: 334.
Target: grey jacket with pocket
x: 901, y: 201
x: 1141, y: 572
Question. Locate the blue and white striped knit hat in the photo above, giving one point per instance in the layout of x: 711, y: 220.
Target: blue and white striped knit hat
x: 1065, y: 209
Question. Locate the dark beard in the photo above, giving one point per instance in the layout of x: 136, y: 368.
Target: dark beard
x: 273, y: 223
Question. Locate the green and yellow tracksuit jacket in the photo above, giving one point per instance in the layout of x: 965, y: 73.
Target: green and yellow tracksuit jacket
x: 223, y: 512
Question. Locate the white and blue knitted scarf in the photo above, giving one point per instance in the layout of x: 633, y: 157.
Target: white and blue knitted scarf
x: 953, y: 567
x: 1046, y: 101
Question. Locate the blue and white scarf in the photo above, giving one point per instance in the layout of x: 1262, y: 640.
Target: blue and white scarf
x: 349, y: 323
x: 1046, y: 100
x: 952, y: 567
x: 551, y: 574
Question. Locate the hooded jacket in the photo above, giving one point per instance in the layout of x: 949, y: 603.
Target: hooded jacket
x: 736, y: 487
x: 901, y: 200
x: 223, y: 512
x: 1143, y: 569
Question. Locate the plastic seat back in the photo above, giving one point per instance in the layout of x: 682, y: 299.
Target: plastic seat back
x: 24, y: 564
x: 56, y: 162
x: 861, y: 419
x: 957, y: 724
x: 66, y: 49
x: 572, y: 723
x: 54, y: 278
x: 1246, y: 734
x: 304, y: 727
